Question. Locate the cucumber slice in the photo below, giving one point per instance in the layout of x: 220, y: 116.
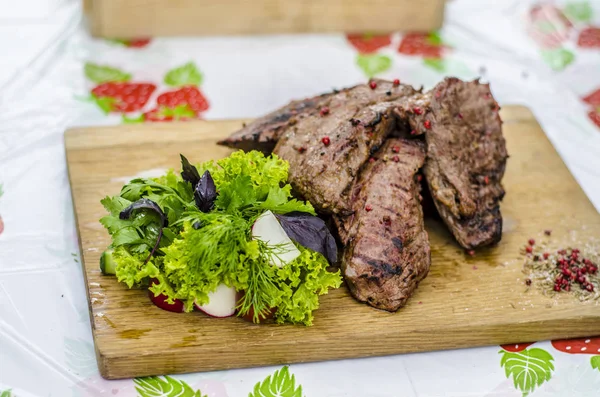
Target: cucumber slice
x: 107, y: 262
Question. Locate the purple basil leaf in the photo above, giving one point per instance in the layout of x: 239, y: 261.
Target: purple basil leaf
x: 205, y: 193
x: 147, y: 205
x: 189, y: 173
x: 311, y: 232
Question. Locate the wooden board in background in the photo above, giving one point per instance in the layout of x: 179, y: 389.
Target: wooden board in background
x: 464, y: 302
x: 143, y: 18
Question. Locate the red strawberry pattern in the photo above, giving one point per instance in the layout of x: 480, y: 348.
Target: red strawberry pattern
x: 137, y: 43
x: 589, y: 37
x: 594, y: 115
x: 548, y: 26
x: 188, y: 95
x: 114, y: 92
x: 368, y: 44
x: 422, y: 44
x: 133, y: 43
x: 515, y: 348
x: 122, y: 97
x: 593, y: 98
x: 578, y: 346
x: 165, y: 113
x: 186, y: 102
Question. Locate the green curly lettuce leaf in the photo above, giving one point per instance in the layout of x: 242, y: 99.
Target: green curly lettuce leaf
x: 301, y: 283
x: 200, y: 251
x: 250, y: 183
x: 131, y: 269
x: 201, y: 259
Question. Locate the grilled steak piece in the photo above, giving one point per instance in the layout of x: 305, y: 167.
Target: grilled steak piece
x: 326, y: 149
x: 262, y: 134
x: 466, y: 157
x: 387, y: 248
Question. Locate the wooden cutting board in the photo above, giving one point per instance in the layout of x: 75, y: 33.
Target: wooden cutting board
x: 465, y: 301
x: 128, y: 19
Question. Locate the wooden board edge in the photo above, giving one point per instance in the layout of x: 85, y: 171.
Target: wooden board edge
x: 92, y: 10
x: 101, y: 362
x: 99, y: 14
x: 120, y: 366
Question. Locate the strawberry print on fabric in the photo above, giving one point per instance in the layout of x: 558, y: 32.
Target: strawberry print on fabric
x: 114, y: 92
x: 368, y: 43
x: 596, y: 362
x: 578, y: 346
x: 555, y: 30
x: 550, y: 28
x: 132, y: 43
x: 280, y: 384
x: 515, y: 348
x: 589, y: 38
x: 589, y: 345
x: 594, y: 116
x: 166, y: 386
x: 428, y: 46
x: 528, y: 368
x: 186, y: 102
x: 373, y: 64
x: 368, y: 60
x: 593, y: 99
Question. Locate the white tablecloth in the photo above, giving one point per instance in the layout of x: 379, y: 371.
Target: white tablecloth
x: 535, y: 57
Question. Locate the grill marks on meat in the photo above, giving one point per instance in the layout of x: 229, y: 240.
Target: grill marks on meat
x: 359, y: 120
x: 387, y: 248
x: 262, y: 134
x: 466, y: 157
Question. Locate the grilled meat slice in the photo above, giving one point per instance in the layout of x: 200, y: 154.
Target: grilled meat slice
x: 262, y: 134
x: 387, y: 248
x: 326, y: 149
x: 466, y: 157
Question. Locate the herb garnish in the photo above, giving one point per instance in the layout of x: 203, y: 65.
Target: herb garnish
x: 205, y: 193
x: 311, y: 232
x: 152, y: 206
x: 207, y: 241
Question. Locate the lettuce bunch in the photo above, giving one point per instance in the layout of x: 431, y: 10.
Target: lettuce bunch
x: 199, y: 250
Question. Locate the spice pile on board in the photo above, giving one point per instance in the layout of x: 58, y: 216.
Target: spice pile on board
x: 564, y: 270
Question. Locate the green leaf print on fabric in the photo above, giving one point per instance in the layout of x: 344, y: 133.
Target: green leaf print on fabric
x: 596, y: 362
x: 6, y: 393
x: 529, y: 368
x: 187, y: 74
x: 435, y: 39
x: 372, y: 65
x: 154, y: 386
x: 104, y: 74
x: 280, y: 384
x: 437, y: 64
x: 558, y: 58
x: 580, y: 11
